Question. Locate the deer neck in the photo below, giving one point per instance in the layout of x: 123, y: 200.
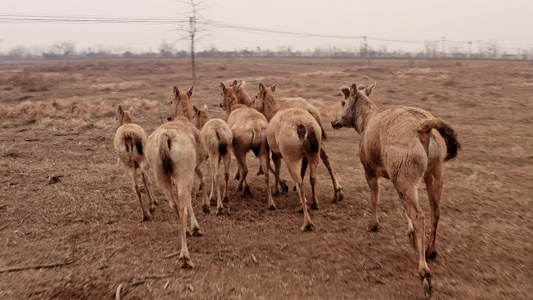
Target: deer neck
x: 271, y: 106
x: 233, y: 104
x: 364, y: 109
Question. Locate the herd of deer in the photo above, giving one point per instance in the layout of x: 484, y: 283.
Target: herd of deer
x: 402, y: 144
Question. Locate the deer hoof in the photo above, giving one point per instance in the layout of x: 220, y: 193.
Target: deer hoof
x: 339, y: 195
x: 426, y: 284
x: 374, y: 227
x: 308, y: 227
x: 197, y: 232
x: 186, y: 263
x: 432, y: 254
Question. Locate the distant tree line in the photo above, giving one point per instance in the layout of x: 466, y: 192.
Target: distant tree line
x: 66, y: 50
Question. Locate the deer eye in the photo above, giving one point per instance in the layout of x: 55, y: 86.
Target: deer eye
x: 343, y: 102
x: 171, y: 102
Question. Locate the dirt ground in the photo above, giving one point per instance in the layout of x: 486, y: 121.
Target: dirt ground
x: 70, y: 224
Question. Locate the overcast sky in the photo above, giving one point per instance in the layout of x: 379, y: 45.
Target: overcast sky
x: 509, y: 23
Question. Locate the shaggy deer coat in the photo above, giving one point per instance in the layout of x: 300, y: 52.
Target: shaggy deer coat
x: 301, y: 103
x: 130, y: 144
x: 249, y: 133
x: 218, y: 139
x: 294, y: 135
x: 403, y: 144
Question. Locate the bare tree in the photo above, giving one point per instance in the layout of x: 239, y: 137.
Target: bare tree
x: 493, y: 48
x: 196, y: 27
x: 65, y: 48
x: 166, y: 49
x: 18, y: 52
x: 431, y: 49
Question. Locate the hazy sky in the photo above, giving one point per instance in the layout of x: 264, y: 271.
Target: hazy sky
x: 510, y: 23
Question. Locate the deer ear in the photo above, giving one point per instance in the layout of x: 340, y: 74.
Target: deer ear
x: 131, y: 111
x: 353, y: 88
x: 235, y: 82
x: 370, y: 88
x: 176, y: 91
x: 189, y: 92
x: 237, y: 86
x: 273, y: 88
x: 205, y: 107
x: 223, y: 86
x: 120, y: 110
x: 261, y: 87
x: 346, y: 91
x: 195, y: 109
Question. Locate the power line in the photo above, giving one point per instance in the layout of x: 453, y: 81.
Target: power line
x: 81, y: 19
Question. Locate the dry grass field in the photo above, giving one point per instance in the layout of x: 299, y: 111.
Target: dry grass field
x: 70, y: 224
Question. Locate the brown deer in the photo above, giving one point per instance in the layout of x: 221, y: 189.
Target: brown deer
x: 242, y: 95
x: 175, y: 152
x: 249, y: 133
x: 403, y: 144
x: 294, y: 135
x: 301, y: 103
x: 218, y: 138
x: 130, y: 144
x: 180, y: 106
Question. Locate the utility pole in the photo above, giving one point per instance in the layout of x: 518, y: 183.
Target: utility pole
x: 443, y: 51
x: 365, y: 47
x: 192, y: 31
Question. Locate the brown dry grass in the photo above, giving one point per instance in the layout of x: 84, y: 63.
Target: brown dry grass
x: 91, y: 215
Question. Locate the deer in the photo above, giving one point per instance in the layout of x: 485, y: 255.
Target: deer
x: 130, y: 144
x: 404, y: 145
x: 242, y: 95
x: 218, y: 139
x: 294, y: 135
x: 180, y: 106
x: 301, y: 103
x: 249, y: 133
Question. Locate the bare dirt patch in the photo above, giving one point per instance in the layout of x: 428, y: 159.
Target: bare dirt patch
x: 81, y: 236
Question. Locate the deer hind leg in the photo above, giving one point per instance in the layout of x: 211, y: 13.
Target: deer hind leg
x: 313, y: 179
x: 132, y: 172
x: 294, y: 167
x: 434, y: 189
x: 373, y: 183
x: 410, y: 231
x: 227, y: 159
x: 265, y: 162
x: 281, y: 182
x: 277, y: 165
x: 409, y: 199
x: 339, y: 194
x: 184, y: 206
x: 302, y: 171
x: 240, y: 156
x: 215, y: 160
x: 200, y: 173
x: 152, y: 200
